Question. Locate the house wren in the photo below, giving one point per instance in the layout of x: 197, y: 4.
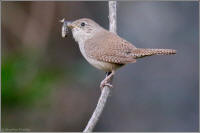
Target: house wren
x: 106, y: 50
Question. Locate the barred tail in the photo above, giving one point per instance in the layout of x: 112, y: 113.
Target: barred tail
x: 140, y: 52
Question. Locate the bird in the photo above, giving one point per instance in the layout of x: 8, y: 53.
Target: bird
x: 106, y: 50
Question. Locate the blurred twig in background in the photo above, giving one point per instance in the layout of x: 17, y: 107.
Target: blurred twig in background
x: 106, y: 90
x: 39, y: 24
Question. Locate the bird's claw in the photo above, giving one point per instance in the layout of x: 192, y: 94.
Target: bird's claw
x: 103, y: 84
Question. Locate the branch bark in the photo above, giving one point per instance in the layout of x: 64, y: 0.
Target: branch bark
x: 113, y: 16
x: 106, y: 90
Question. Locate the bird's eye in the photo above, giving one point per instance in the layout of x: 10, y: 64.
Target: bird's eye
x: 82, y: 24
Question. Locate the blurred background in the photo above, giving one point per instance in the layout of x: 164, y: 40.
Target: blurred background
x: 48, y: 86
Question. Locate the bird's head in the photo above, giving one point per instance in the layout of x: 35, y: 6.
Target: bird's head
x: 83, y: 29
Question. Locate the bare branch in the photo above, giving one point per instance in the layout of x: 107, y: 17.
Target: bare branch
x: 106, y: 90
x: 100, y: 106
x: 113, y: 16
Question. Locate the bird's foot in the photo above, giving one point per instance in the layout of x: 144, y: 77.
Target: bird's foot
x: 107, y: 80
x: 105, y: 83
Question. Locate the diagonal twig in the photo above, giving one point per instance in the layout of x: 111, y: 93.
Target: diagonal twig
x: 106, y: 90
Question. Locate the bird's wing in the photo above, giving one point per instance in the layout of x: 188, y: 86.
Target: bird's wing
x: 109, y: 47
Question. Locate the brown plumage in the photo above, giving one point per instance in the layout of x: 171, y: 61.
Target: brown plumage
x: 141, y: 52
x: 109, y: 47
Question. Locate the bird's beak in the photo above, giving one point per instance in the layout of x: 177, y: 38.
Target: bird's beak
x: 70, y: 25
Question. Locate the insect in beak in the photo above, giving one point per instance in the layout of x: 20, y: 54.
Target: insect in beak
x: 65, y: 26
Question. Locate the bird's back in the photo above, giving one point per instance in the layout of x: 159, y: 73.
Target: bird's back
x: 109, y: 47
